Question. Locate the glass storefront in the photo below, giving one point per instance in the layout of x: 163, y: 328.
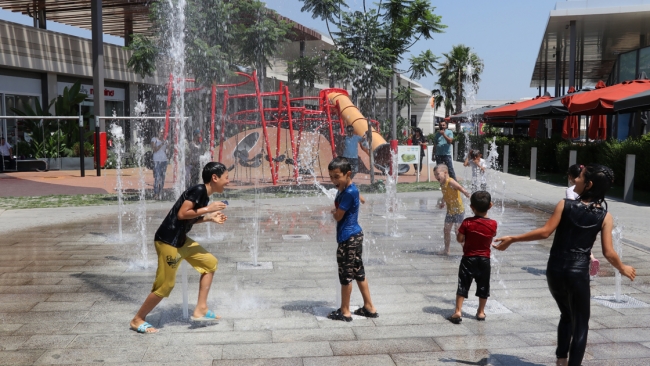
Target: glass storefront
x: 15, y: 130
x: 627, y: 66
x: 644, y: 61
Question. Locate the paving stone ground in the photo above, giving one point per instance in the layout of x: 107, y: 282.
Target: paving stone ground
x: 68, y: 291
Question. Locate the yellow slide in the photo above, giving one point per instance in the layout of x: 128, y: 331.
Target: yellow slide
x: 353, y: 117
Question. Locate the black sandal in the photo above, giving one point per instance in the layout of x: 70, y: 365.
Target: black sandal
x: 362, y: 311
x: 338, y: 315
x: 455, y: 320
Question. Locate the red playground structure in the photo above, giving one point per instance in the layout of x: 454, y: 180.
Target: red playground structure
x: 335, y: 111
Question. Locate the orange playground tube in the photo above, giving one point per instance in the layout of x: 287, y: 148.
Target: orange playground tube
x: 353, y: 117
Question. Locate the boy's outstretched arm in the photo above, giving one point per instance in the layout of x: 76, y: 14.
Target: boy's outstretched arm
x: 361, y: 199
x: 540, y: 233
x: 455, y: 185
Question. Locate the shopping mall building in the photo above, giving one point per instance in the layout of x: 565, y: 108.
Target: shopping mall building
x: 37, y: 64
x: 586, y: 41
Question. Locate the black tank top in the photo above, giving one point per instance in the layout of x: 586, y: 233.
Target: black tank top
x: 577, y: 230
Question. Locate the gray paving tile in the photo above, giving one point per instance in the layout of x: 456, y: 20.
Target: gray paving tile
x: 375, y: 360
x: 288, y: 350
x: 20, y: 357
x: 46, y: 328
x: 11, y: 343
x: 260, y: 362
x: 209, y: 337
x: 189, y: 352
x: 63, y: 306
x: 121, y: 355
x: 625, y: 335
x: 618, y: 350
x: 479, y: 342
x: 95, y: 341
x: 411, y: 331
x: 468, y: 357
x: 618, y: 362
x: 313, y: 335
x: 6, y: 329
x: 384, y: 346
x: 275, y: 323
x: 41, y: 341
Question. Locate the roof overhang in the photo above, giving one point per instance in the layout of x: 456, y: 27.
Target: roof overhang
x: 119, y: 16
x: 602, y: 34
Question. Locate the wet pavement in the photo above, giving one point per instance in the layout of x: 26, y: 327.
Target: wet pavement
x: 69, y: 289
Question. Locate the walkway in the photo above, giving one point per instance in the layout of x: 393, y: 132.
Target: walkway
x: 69, y: 285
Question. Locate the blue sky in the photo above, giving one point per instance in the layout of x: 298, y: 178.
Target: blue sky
x: 506, y: 34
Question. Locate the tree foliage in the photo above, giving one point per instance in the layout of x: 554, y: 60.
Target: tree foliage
x: 219, y: 35
x: 460, y: 66
x: 369, y: 43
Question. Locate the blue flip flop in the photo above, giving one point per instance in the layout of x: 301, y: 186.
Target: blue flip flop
x: 142, y: 329
x: 210, y: 316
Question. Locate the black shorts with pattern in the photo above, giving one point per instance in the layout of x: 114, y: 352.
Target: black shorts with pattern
x: 348, y: 257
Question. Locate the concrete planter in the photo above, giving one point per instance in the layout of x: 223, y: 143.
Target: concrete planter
x: 73, y: 163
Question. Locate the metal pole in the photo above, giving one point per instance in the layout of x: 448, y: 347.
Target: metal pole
x: 485, y: 150
x: 572, y: 53
x: 97, y: 149
x: 98, y: 60
x: 370, y: 154
x: 533, y: 163
x: 428, y: 165
x: 573, y: 157
x: 506, y: 153
x: 628, y: 193
x: 455, y: 150
x: 82, y: 168
x: 393, y: 118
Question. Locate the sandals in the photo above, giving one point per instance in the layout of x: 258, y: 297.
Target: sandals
x: 338, y: 315
x: 455, y: 320
x: 142, y: 328
x: 362, y: 311
x: 210, y: 316
x: 479, y: 318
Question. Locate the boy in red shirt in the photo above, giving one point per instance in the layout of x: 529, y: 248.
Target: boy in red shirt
x: 475, y: 235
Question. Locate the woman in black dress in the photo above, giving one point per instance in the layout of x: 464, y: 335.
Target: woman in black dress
x: 576, y: 224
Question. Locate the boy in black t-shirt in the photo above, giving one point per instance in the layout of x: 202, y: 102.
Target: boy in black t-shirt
x: 173, y: 245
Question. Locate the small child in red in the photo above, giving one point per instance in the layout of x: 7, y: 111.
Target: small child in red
x: 475, y: 235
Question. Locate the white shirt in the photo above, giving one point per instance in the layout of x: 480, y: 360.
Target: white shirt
x: 159, y: 155
x: 4, y: 149
x: 571, y: 194
x: 477, y: 174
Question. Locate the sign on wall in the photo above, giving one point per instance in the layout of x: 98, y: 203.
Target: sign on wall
x: 115, y: 94
x: 408, y: 154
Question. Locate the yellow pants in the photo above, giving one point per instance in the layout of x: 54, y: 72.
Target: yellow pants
x: 169, y: 258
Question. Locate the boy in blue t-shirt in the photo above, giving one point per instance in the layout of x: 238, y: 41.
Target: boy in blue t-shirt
x: 350, y: 241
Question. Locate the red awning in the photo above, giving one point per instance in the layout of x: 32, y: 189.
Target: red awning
x: 598, y: 127
x: 510, y: 110
x: 532, y: 128
x: 601, y: 101
x: 570, y: 128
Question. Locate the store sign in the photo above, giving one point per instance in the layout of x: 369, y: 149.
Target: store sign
x: 115, y: 94
x: 408, y: 154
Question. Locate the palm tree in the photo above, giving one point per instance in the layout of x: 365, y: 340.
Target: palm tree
x: 461, y: 66
x: 325, y: 10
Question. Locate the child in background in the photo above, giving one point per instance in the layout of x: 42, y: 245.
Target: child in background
x: 349, y: 237
x: 475, y: 235
x: 576, y: 224
x: 573, y: 173
x: 477, y: 163
x: 451, y: 191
